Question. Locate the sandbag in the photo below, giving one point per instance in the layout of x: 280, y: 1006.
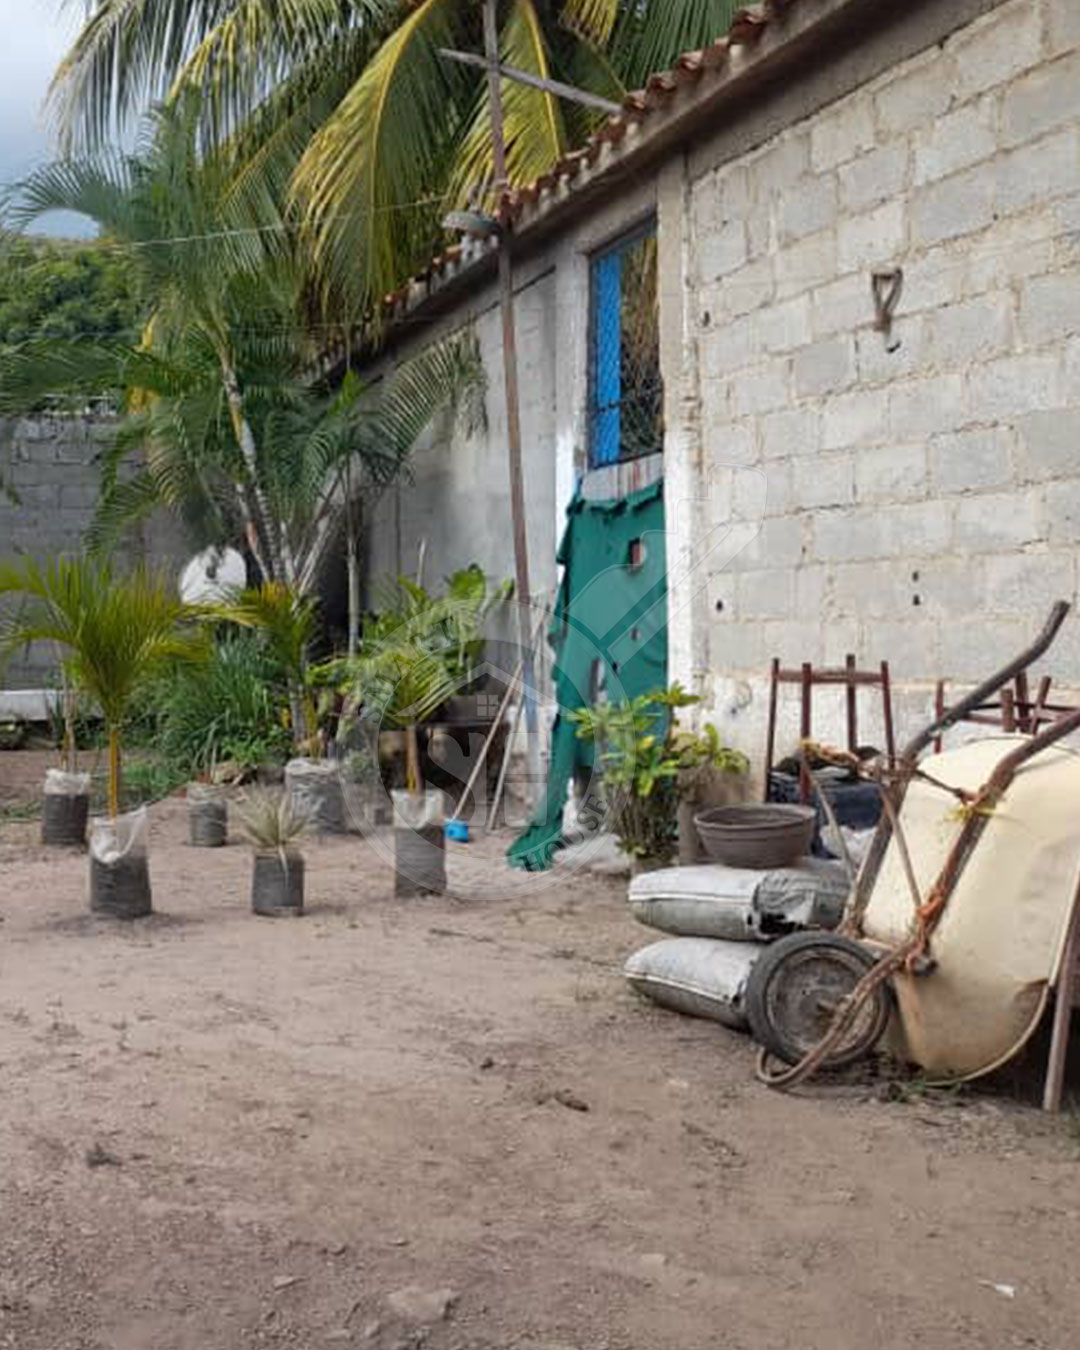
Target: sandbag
x: 119, y: 867
x: 741, y: 904
x: 701, y: 977
x: 66, y: 809
x: 315, y: 787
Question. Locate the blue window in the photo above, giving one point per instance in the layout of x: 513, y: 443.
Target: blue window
x: 625, y: 390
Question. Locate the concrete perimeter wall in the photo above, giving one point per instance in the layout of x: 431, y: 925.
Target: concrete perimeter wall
x: 920, y: 504
x: 51, y: 462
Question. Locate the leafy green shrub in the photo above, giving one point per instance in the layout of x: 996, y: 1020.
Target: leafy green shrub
x: 647, y: 764
x: 231, y: 708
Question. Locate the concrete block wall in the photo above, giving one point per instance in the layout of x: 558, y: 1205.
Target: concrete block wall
x: 917, y: 500
x: 51, y: 463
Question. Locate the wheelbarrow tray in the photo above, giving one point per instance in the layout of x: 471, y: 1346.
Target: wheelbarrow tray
x: 999, y: 944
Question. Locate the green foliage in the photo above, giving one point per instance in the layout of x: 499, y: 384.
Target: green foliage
x: 417, y: 652
x: 115, y: 633
x: 225, y: 421
x: 229, y: 708
x: 451, y: 624
x: 285, y: 620
x: 149, y: 780
x: 67, y: 292
x: 647, y: 764
x: 344, y: 110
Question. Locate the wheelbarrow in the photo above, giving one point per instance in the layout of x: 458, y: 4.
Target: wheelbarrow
x: 958, y: 921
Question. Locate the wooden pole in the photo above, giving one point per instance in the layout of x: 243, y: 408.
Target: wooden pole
x: 481, y: 759
x: 556, y: 87
x: 513, y: 402
x: 1063, y: 1011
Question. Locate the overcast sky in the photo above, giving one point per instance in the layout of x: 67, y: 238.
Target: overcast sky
x: 34, y: 34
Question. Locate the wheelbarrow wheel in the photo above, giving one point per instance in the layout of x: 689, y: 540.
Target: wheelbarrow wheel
x: 795, y: 988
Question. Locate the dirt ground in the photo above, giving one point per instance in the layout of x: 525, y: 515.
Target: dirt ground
x: 365, y: 1127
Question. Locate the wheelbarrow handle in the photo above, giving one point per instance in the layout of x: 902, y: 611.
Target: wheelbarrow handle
x: 989, y: 687
x: 864, y: 883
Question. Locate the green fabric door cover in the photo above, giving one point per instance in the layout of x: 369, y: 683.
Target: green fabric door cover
x: 609, y: 629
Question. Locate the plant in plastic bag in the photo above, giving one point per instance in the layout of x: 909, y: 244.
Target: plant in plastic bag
x: 273, y: 823
x: 119, y: 866
x: 114, y: 632
x: 648, y: 764
x: 287, y: 622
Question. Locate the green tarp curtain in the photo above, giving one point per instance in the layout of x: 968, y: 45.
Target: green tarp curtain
x: 609, y: 631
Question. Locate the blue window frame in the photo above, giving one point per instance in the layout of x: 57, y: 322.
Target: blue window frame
x: 625, y: 389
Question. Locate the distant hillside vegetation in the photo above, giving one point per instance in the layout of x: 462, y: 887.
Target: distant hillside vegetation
x: 55, y: 288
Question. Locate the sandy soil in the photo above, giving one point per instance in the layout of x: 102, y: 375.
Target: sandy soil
x: 364, y: 1127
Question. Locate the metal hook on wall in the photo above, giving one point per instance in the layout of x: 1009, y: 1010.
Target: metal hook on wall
x: 887, y: 286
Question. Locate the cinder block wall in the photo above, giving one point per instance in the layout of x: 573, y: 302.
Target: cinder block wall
x: 51, y: 462
x: 920, y: 504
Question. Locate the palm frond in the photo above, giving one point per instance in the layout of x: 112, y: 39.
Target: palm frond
x: 363, y: 182
x: 286, y: 620
x: 649, y: 37
x: 533, y: 121
x: 116, y: 632
x: 592, y: 19
x: 131, y: 53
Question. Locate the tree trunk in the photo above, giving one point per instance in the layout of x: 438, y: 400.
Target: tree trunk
x: 412, y: 760
x: 114, y: 771
x: 296, y: 715
x: 279, y: 562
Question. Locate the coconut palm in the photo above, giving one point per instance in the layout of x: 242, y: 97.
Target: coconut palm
x: 348, y: 105
x: 115, y: 633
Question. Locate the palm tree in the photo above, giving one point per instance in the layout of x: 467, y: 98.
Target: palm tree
x: 347, y: 106
x: 287, y: 622
x: 115, y: 633
x: 233, y: 431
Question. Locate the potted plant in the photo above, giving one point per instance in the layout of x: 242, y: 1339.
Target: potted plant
x: 647, y: 765
x: 273, y: 823
x: 406, y: 670
x: 66, y: 808
x: 208, y: 815
x: 115, y: 634
x: 288, y: 621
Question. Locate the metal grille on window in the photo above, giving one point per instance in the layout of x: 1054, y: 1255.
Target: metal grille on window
x: 626, y: 394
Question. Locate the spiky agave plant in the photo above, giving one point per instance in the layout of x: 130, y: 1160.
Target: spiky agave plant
x: 115, y: 633
x: 272, y: 821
